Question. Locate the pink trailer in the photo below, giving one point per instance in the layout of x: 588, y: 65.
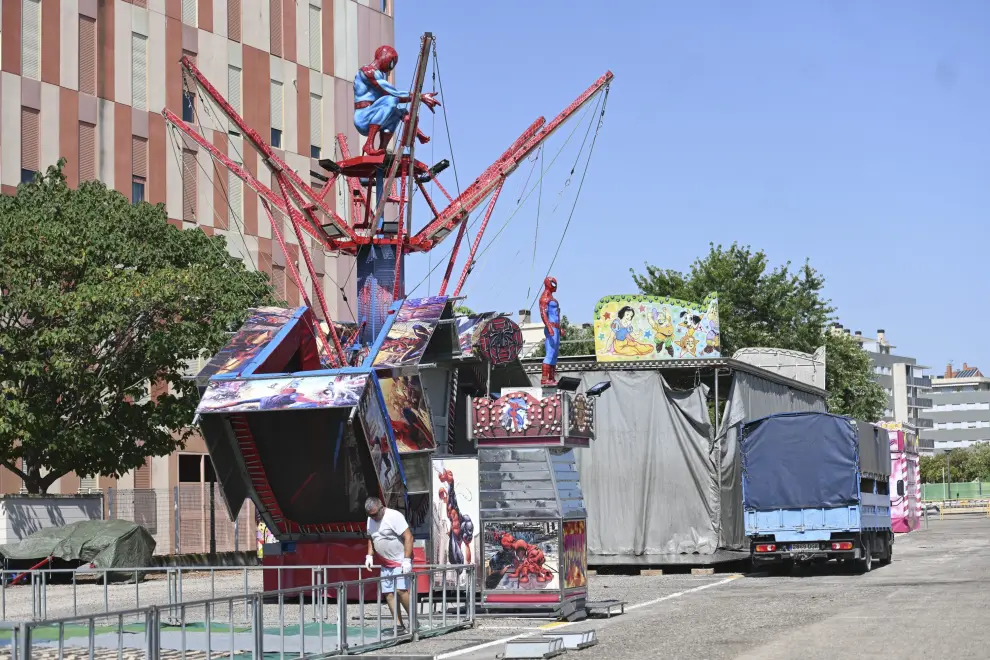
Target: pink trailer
x: 905, y: 479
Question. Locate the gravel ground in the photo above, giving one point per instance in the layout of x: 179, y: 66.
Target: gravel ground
x: 939, y: 576
x: 931, y: 602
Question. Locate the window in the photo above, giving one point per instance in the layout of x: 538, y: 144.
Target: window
x: 234, y: 94
x: 235, y: 199
x: 139, y: 166
x: 188, y: 106
x: 188, y: 185
x: 277, y: 114
x: 189, y: 11
x: 30, y: 144
x: 234, y: 20
x: 31, y: 39
x: 139, y: 71
x: 87, y: 151
x: 384, y: 6
x: 315, y: 125
x: 275, y: 27
x: 315, y: 38
x: 87, y: 55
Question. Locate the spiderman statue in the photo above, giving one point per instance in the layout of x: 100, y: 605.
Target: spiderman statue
x: 550, y: 314
x: 378, y: 106
x: 461, y: 525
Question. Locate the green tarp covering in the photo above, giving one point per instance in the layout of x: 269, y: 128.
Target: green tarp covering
x: 103, y: 543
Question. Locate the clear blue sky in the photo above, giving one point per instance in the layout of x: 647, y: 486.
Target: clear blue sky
x: 856, y: 134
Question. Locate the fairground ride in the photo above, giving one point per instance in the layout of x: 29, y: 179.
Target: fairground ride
x: 308, y: 418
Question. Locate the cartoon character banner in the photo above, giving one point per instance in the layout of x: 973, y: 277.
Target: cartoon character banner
x: 455, y: 513
x: 522, y: 556
x: 386, y: 463
x: 655, y: 328
x: 333, y: 391
x: 407, y: 407
x: 258, y: 330
x: 575, y: 554
x: 411, y: 331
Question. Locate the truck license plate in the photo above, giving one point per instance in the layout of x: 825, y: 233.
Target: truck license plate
x: 800, y: 547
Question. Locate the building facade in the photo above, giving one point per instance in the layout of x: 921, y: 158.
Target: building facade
x: 86, y: 80
x: 908, y: 388
x: 960, y: 410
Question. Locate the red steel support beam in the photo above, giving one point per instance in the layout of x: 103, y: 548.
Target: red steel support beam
x: 296, y: 220
x: 476, y: 193
x: 263, y: 191
x: 270, y: 157
x: 277, y: 232
x: 477, y: 239
x: 453, y: 257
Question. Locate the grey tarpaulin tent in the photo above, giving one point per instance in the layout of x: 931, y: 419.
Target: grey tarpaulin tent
x: 661, y: 484
x: 103, y: 543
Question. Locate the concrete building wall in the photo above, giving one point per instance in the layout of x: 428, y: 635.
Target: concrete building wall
x: 70, y: 97
x: 960, y: 410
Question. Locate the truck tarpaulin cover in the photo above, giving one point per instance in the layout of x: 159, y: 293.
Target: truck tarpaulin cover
x: 802, y: 460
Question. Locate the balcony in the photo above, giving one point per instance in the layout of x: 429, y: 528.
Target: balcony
x: 919, y: 402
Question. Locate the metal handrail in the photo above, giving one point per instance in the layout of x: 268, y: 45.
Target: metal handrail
x: 175, y: 614
x: 38, y: 580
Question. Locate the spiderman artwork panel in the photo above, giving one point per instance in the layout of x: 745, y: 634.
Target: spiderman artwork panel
x: 410, y: 332
x: 522, y: 556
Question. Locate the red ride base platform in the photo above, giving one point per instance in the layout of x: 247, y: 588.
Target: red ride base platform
x: 349, y: 552
x: 364, y: 167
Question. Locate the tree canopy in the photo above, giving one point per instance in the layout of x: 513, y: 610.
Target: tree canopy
x: 101, y: 298
x: 780, y: 308
x: 966, y: 464
x: 575, y: 340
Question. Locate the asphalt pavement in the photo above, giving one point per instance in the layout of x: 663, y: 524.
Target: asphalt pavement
x: 931, y: 602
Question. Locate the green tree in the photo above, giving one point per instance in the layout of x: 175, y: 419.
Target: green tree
x: 575, y: 340
x: 99, y: 299
x: 852, y: 390
x: 461, y: 310
x: 779, y: 308
x: 932, y: 469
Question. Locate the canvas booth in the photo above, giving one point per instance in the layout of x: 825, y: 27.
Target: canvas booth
x: 663, y: 482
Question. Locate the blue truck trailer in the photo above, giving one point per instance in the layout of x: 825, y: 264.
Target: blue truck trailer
x: 816, y: 487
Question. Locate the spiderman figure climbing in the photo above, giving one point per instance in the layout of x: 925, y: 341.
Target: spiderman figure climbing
x: 378, y: 106
x: 461, y: 525
x: 527, y: 561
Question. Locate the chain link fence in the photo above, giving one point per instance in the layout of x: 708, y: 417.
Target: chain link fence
x: 180, y: 519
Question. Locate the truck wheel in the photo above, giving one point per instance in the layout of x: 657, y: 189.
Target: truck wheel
x: 866, y: 563
x: 889, y: 555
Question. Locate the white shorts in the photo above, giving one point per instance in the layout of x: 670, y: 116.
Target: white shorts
x: 389, y: 582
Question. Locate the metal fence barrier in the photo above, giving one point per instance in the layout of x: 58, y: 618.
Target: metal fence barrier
x: 46, y: 593
x: 957, y: 507
x: 306, y: 622
x: 185, y: 519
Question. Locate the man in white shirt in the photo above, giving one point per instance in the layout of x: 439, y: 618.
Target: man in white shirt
x: 390, y: 537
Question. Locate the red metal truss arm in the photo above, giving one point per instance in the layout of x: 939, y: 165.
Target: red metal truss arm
x: 453, y: 258
x: 460, y: 208
x: 297, y: 278
x: 476, y: 193
x: 296, y: 219
x: 263, y: 191
x: 270, y: 157
x: 477, y: 239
